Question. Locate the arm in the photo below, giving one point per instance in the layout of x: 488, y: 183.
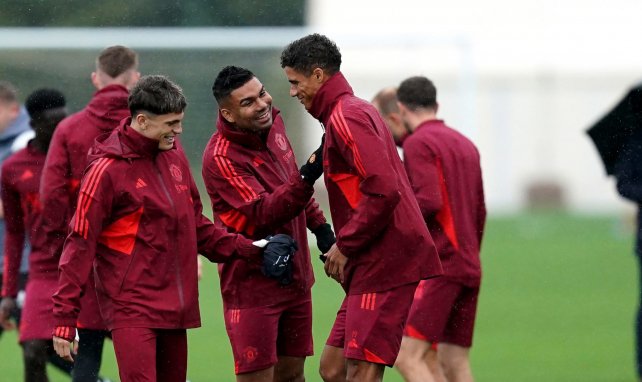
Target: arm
x: 424, y: 174
x: 628, y: 174
x: 14, y: 235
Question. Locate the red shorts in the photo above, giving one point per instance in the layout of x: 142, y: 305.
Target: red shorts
x: 443, y: 311
x: 37, y: 322
x: 150, y: 355
x: 369, y: 326
x: 259, y: 335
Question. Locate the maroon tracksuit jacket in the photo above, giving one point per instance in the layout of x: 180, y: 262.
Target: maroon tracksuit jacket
x: 256, y: 189
x: 20, y: 183
x: 374, y: 212
x: 445, y: 174
x: 64, y: 167
x: 139, y: 216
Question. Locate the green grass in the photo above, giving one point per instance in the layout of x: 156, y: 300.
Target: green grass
x: 557, y: 304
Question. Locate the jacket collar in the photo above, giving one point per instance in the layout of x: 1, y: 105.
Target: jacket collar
x: 248, y: 139
x: 429, y: 123
x: 328, y: 95
x: 108, y: 107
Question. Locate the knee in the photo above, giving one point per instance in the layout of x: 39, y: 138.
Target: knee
x: 290, y: 376
x: 332, y: 373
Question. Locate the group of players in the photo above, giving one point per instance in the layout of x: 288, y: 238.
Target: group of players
x: 114, y: 219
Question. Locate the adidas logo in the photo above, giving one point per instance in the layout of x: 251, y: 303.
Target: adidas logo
x: 26, y: 175
x: 140, y: 183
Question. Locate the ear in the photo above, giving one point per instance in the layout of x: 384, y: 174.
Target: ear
x: 227, y: 115
x: 95, y: 81
x: 318, y: 75
x: 141, y: 120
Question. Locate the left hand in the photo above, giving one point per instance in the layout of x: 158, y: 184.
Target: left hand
x: 7, y: 306
x: 335, y: 263
x: 199, y: 268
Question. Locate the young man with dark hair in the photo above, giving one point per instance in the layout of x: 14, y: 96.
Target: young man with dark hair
x: 445, y: 173
x: 255, y: 186
x: 139, y: 225
x: 116, y: 72
x: 383, y: 247
x: 20, y: 185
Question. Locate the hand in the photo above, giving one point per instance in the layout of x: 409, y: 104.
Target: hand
x: 335, y: 263
x: 67, y: 346
x: 325, y: 239
x: 199, y: 268
x: 277, y: 258
x: 313, y: 168
x: 7, y: 306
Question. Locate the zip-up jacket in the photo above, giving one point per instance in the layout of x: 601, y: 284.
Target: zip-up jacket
x: 64, y: 167
x: 138, y: 221
x: 445, y: 173
x: 256, y: 189
x: 374, y: 212
x: 20, y: 184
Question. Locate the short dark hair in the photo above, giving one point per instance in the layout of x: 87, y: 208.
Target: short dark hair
x: 8, y: 92
x: 310, y: 52
x: 229, y: 79
x: 42, y: 100
x: 156, y: 94
x: 116, y: 60
x: 417, y: 92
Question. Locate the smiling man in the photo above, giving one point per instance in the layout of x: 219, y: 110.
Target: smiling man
x: 251, y: 176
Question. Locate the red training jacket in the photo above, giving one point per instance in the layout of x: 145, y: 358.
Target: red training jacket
x: 139, y: 223
x: 256, y: 189
x: 374, y: 212
x: 445, y: 174
x: 64, y: 167
x: 22, y: 213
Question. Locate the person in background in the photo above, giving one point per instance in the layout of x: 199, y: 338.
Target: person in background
x: 445, y: 173
x: 115, y: 73
x: 383, y: 247
x: 385, y: 101
x: 20, y: 184
x: 255, y: 186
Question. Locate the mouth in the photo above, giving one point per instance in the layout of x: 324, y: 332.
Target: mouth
x: 169, y: 139
x: 265, y: 116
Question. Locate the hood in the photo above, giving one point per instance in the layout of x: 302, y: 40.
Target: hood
x: 327, y: 96
x: 245, y: 138
x: 18, y: 126
x: 123, y: 142
x: 108, y: 107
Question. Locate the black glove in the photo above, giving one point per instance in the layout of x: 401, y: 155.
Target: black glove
x: 325, y: 239
x: 313, y: 168
x: 277, y: 258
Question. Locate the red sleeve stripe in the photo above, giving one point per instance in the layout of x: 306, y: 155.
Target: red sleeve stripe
x: 87, y: 192
x: 229, y: 173
x: 340, y: 123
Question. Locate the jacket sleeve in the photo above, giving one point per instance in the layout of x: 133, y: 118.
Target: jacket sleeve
x: 481, y: 212
x: 628, y: 172
x: 362, y: 148
x: 313, y: 215
x: 55, y: 193
x: 423, y: 171
x: 216, y: 243
x: 239, y: 188
x: 95, y: 201
x: 14, y: 234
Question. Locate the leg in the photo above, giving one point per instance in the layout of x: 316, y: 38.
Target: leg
x: 333, y: 366
x: 294, y: 340
x: 35, y: 360
x: 289, y: 369
x: 434, y: 365
x: 265, y: 375
x: 638, y: 320
x: 411, y: 361
x: 89, y: 357
x: 135, y: 350
x: 171, y: 355
x: 364, y: 371
x: 454, y: 359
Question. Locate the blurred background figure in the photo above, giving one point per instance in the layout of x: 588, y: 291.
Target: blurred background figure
x: 386, y: 103
x: 20, y: 185
x: 14, y: 132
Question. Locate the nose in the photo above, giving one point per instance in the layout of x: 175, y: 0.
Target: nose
x: 293, y: 91
x: 178, y: 129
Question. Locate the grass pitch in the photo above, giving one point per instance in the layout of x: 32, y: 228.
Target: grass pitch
x: 557, y: 304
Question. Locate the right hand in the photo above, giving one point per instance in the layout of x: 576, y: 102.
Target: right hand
x: 7, y: 306
x: 66, y: 347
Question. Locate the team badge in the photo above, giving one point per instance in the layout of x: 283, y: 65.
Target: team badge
x: 280, y: 141
x: 176, y: 172
x: 250, y: 353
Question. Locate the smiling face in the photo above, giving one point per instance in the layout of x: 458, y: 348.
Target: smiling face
x: 249, y: 107
x: 303, y: 87
x: 163, y: 128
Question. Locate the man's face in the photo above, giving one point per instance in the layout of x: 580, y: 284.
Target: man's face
x: 249, y: 107
x: 163, y: 128
x: 8, y: 113
x: 303, y: 87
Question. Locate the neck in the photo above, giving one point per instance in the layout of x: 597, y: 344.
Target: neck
x: 417, y: 119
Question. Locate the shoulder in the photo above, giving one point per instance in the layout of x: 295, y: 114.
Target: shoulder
x: 14, y: 160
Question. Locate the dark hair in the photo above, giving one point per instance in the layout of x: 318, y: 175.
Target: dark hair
x: 156, y: 94
x: 8, y: 92
x: 417, y: 92
x: 229, y: 79
x: 116, y: 60
x: 44, y: 99
x: 310, y: 52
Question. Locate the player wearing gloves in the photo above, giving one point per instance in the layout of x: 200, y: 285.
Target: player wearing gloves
x: 138, y: 227
x: 256, y: 188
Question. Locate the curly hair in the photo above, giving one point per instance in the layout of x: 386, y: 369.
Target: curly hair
x: 310, y: 52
